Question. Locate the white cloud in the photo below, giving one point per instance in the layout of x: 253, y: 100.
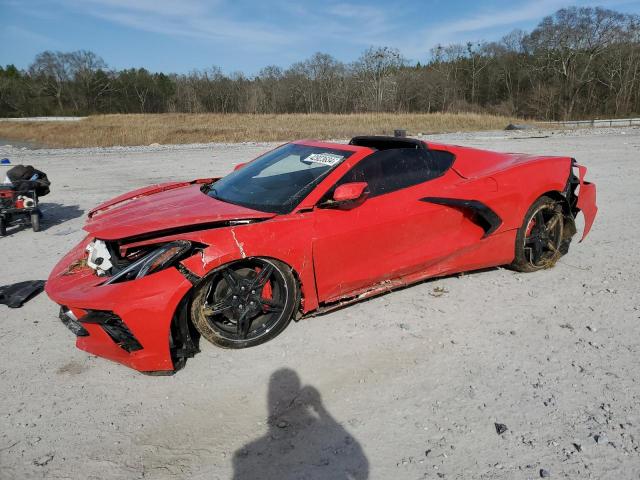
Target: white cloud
x: 189, y: 18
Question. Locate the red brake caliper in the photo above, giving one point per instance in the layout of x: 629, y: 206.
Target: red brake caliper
x: 267, y: 292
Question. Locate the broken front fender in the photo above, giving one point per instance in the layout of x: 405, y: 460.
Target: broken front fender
x: 128, y: 322
x: 586, y: 200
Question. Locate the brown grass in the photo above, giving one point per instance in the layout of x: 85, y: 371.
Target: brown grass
x: 110, y: 130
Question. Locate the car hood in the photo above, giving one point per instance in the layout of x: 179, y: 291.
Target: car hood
x: 163, y: 208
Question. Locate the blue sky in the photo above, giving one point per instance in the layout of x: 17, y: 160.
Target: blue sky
x: 246, y: 35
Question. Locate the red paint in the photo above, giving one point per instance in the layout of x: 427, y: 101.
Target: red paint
x: 338, y: 254
x: 179, y: 206
x: 586, y: 201
x: 350, y: 191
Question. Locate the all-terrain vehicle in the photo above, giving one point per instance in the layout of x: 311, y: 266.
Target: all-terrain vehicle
x: 19, y: 197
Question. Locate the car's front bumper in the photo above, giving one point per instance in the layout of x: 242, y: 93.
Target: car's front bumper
x: 128, y: 322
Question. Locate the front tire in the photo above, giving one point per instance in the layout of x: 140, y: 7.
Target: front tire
x: 245, y: 303
x: 539, y: 241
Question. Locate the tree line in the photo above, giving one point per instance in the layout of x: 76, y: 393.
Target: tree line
x: 576, y: 63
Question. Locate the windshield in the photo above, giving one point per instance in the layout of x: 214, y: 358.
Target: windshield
x: 277, y: 181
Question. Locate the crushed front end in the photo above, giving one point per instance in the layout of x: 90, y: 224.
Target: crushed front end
x: 128, y: 306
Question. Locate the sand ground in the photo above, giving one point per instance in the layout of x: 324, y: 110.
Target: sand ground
x: 404, y: 386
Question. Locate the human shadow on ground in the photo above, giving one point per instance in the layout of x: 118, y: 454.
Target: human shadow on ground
x: 303, y: 440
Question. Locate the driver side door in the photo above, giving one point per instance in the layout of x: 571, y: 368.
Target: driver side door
x: 392, y: 233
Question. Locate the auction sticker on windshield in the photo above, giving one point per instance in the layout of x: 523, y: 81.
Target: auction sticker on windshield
x: 324, y: 158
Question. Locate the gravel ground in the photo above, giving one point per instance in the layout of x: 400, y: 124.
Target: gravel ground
x: 408, y: 385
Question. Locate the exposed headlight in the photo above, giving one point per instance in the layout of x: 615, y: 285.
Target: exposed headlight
x: 156, y: 260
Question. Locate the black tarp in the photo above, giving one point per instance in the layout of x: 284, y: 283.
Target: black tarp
x: 16, y: 294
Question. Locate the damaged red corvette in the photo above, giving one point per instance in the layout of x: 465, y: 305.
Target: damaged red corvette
x: 305, y: 228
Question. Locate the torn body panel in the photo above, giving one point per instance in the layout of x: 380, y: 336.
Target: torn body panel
x: 146, y: 312
x: 586, y: 201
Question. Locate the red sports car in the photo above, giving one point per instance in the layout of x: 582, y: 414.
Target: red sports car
x: 305, y: 228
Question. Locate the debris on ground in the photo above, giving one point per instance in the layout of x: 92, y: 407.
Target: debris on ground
x: 601, y: 438
x: 17, y: 294
x: 544, y: 473
x: 42, y: 461
x: 500, y: 428
x: 438, y: 291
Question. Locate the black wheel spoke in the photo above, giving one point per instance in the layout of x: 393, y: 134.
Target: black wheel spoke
x: 537, y: 250
x: 552, y: 223
x: 217, y: 308
x: 530, y: 240
x: 273, y: 306
x: 262, y: 277
x: 243, y: 324
x: 231, y: 278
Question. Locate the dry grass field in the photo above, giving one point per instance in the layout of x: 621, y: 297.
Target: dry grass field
x: 111, y: 130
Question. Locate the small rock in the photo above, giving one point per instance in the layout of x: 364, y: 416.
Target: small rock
x: 42, y: 461
x: 544, y: 473
x: 577, y: 446
x: 427, y: 452
x: 438, y: 291
x: 601, y: 438
x: 500, y: 428
x: 282, y: 424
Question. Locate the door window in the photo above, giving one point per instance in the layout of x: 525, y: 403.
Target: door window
x: 387, y: 171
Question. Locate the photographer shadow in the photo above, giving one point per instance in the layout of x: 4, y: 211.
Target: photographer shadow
x: 303, y: 440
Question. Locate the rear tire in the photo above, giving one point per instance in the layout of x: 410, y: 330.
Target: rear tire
x: 35, y: 221
x: 539, y: 241
x: 3, y: 227
x: 245, y: 303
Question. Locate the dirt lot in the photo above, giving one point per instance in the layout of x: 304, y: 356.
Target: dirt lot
x: 407, y: 385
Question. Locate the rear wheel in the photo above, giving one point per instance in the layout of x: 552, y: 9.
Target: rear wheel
x: 35, y: 221
x: 3, y: 227
x: 245, y: 303
x: 540, y: 238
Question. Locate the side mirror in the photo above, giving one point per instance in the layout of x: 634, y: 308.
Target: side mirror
x: 239, y: 166
x: 350, y: 195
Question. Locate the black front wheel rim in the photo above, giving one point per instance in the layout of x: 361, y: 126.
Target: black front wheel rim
x: 245, y: 300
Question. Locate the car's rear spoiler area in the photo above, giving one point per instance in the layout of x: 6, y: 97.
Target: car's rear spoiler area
x: 476, y: 163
